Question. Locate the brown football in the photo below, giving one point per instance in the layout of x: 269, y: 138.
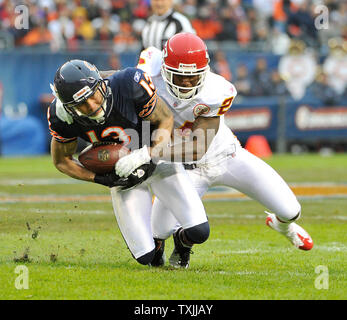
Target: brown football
x: 101, y: 158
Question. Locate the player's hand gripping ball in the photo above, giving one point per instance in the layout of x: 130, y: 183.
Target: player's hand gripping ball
x: 101, y: 157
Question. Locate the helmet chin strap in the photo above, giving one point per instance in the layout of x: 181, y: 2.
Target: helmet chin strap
x: 100, y: 117
x: 100, y: 113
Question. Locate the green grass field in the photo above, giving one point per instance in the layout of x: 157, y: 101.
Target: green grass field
x: 74, y: 250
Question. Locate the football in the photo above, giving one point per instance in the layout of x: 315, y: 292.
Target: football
x: 102, y: 157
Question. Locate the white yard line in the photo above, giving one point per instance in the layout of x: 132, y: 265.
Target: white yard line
x: 52, y: 198
x: 327, y: 246
x: 39, y: 182
x: 226, y: 215
x: 70, y: 211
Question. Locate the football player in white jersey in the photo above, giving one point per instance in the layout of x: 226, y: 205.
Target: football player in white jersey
x: 198, y: 99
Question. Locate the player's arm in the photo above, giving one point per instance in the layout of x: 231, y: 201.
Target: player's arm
x: 62, y: 155
x: 203, y: 131
x: 163, y: 119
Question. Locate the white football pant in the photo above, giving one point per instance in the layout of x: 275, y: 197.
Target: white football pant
x: 169, y: 183
x: 244, y: 172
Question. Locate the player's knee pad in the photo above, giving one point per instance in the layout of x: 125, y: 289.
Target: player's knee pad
x: 198, y: 233
x: 146, y: 258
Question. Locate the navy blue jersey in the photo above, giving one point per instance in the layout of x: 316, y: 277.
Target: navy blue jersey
x: 134, y: 99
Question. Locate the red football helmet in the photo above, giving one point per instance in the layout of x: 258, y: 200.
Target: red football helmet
x: 184, y: 54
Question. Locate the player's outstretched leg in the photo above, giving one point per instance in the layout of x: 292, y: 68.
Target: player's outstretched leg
x: 260, y: 182
x: 292, y: 231
x: 159, y: 256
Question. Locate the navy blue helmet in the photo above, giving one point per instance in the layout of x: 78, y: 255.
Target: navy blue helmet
x: 77, y: 80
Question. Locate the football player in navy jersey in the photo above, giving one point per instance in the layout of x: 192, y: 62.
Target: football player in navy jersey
x: 125, y: 108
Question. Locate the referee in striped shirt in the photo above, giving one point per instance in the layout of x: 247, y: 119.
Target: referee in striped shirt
x: 163, y: 24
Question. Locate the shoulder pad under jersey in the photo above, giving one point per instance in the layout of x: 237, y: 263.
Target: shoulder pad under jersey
x: 60, y: 125
x: 136, y: 88
x: 216, y: 96
x: 150, y: 61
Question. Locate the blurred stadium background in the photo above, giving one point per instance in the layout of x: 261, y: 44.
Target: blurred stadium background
x: 287, y: 59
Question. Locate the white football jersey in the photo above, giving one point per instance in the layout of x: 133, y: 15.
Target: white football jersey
x: 214, y: 99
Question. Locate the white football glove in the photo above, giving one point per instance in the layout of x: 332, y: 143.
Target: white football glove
x: 127, y: 164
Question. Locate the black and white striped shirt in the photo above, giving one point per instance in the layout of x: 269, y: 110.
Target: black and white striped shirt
x: 160, y: 28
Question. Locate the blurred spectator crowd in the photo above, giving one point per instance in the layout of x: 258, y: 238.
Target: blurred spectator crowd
x: 299, y: 73
x: 62, y: 23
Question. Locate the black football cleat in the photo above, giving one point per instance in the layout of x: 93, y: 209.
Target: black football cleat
x: 180, y: 256
x: 159, y: 256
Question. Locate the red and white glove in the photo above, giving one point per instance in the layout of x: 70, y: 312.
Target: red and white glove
x: 127, y: 164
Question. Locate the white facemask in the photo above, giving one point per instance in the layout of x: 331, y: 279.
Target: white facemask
x: 175, y: 90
